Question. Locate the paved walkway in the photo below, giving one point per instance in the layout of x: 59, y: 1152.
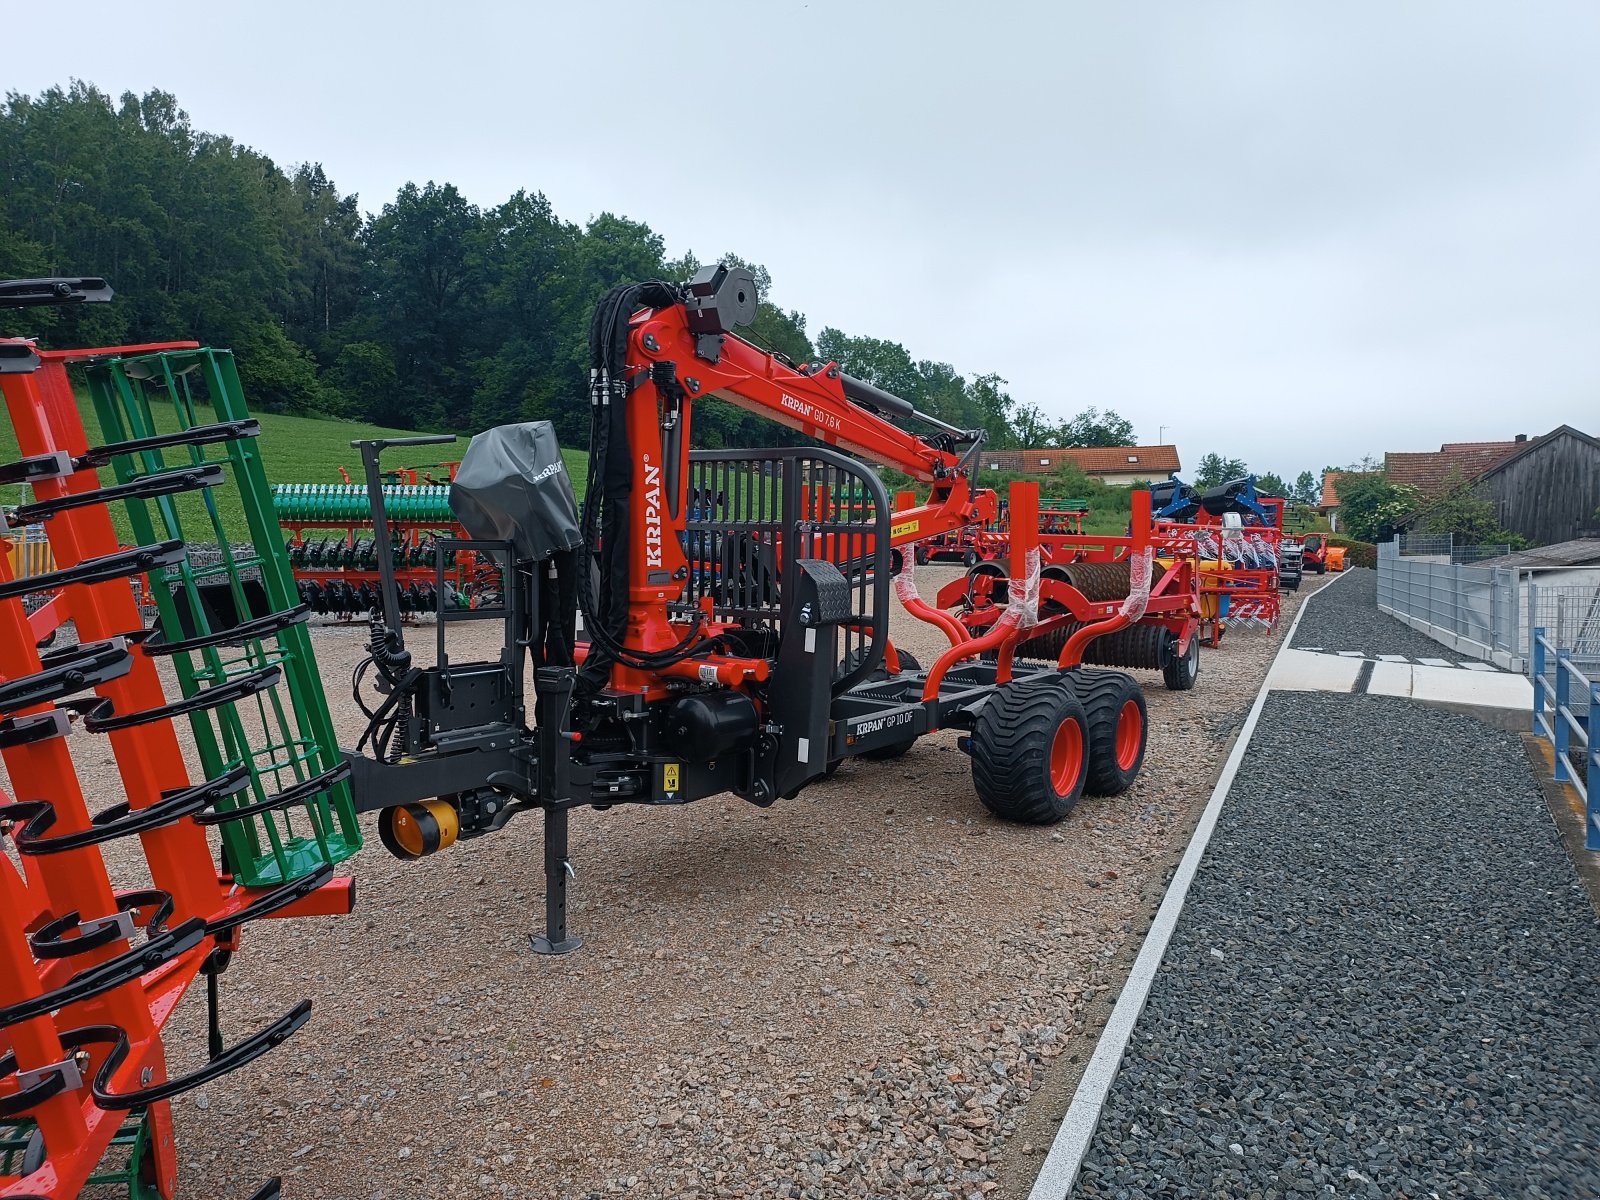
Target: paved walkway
x: 1344, y: 644
x: 1384, y: 980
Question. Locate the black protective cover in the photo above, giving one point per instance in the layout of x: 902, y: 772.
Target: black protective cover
x: 513, y: 487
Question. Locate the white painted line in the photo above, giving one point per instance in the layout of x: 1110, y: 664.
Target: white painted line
x: 1436, y: 662
x: 1060, y: 1169
x: 1346, y: 653
x: 1393, y: 658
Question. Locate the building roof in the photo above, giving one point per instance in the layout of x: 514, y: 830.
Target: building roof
x: 1126, y: 460
x: 1330, y: 490
x: 1580, y: 552
x: 1428, y: 471
x: 1534, y: 443
x: 1154, y: 462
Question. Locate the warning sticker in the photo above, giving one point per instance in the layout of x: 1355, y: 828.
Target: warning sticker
x: 670, y: 772
x: 904, y: 528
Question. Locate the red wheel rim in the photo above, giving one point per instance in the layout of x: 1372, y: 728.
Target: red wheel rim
x: 1066, y: 757
x: 1130, y: 732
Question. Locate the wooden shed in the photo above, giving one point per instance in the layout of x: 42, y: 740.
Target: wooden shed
x: 1548, y: 490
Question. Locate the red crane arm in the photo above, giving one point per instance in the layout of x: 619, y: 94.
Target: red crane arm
x: 815, y: 402
x: 764, y: 384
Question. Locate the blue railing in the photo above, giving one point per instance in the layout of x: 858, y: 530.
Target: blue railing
x: 1560, y: 720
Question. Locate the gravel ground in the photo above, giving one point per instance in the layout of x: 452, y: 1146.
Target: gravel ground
x: 849, y: 994
x: 1382, y: 983
x: 1347, y: 618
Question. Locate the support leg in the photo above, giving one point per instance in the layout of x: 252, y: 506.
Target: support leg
x: 557, y: 872
x: 214, y: 1042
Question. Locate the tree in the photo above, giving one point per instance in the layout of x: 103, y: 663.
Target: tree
x: 426, y: 300
x: 1469, y: 518
x: 883, y: 364
x: 1030, y: 427
x: 1370, y: 507
x: 988, y: 400
x: 326, y: 265
x: 1215, y: 470
x: 1306, y: 490
x: 1091, y: 427
x: 1271, y: 484
x: 432, y: 313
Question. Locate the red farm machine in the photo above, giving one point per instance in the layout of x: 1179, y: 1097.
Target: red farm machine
x: 1235, y: 536
x: 1104, y: 600
x: 713, y: 622
x: 90, y: 971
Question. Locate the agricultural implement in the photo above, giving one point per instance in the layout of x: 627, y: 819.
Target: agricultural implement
x: 734, y: 615
x: 1321, y: 555
x: 1102, y: 600
x: 734, y: 608
x: 991, y: 543
x: 90, y: 972
x: 332, y: 544
x: 1234, y: 534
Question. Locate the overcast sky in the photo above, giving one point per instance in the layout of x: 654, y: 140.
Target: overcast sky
x: 1295, y: 232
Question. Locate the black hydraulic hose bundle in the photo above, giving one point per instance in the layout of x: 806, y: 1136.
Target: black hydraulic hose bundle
x: 609, y: 490
x: 395, y: 713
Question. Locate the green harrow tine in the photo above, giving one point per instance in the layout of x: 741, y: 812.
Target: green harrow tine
x: 293, y: 739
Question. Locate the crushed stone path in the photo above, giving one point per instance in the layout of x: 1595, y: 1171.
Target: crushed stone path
x: 1383, y: 982
x: 1346, y: 621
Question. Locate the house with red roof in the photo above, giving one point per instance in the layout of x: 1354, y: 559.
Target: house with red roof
x: 1431, y: 471
x: 1109, y: 464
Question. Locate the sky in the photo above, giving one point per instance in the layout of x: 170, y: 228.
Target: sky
x: 1292, y: 232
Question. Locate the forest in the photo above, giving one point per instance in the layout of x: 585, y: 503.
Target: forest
x: 431, y: 312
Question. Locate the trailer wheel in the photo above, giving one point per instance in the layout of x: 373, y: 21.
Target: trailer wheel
x: 1030, y: 752
x: 970, y: 559
x: 1181, y: 671
x: 920, y: 555
x: 1114, y: 710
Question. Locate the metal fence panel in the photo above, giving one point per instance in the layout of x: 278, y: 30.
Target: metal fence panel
x: 1570, y: 616
x: 1469, y: 608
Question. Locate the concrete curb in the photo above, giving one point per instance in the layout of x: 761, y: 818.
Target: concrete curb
x: 1059, y: 1171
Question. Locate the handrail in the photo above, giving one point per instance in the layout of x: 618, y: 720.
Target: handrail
x: 1561, y: 722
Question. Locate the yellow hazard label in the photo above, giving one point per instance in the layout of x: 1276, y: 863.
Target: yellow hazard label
x: 669, y: 776
x: 904, y: 528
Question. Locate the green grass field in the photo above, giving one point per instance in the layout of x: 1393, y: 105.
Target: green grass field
x: 294, y: 449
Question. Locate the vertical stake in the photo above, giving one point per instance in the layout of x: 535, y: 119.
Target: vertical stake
x: 214, y: 1043
x: 1558, y: 720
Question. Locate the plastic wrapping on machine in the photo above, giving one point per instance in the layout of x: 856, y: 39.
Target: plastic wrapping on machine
x: 1138, y: 585
x: 1022, y: 595
x: 905, y: 583
x: 512, y: 486
x: 1265, y: 555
